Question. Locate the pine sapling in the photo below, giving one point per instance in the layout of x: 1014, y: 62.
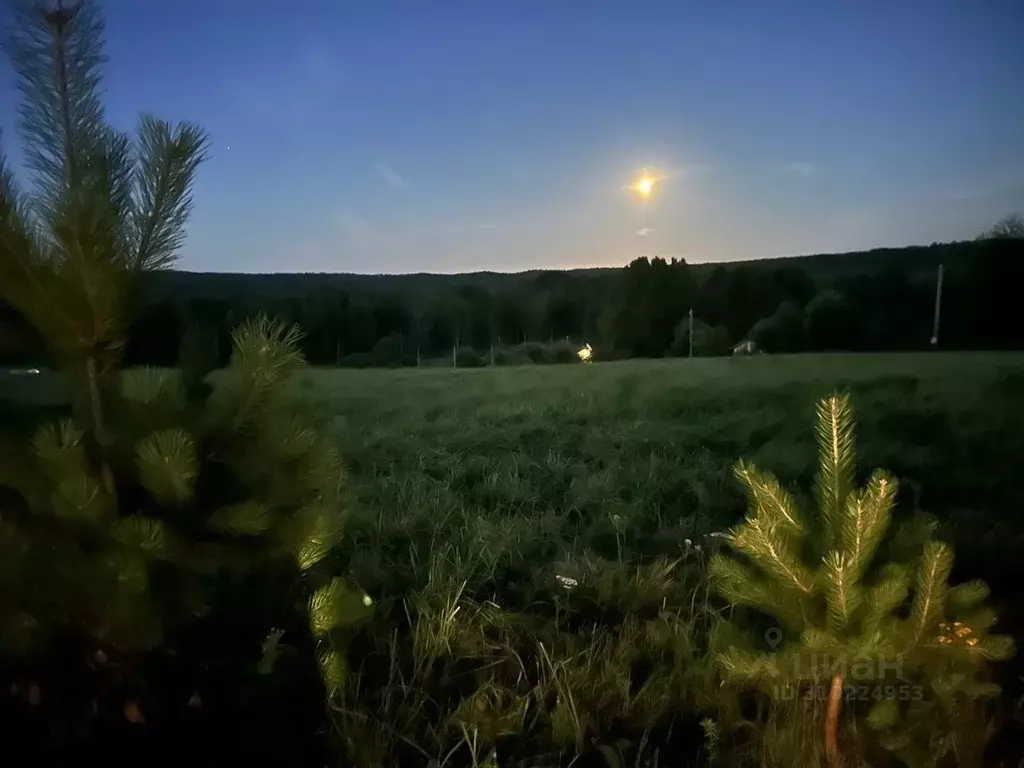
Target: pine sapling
x: 848, y: 625
x: 124, y: 524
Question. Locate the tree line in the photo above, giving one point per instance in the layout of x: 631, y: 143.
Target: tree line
x: 851, y: 302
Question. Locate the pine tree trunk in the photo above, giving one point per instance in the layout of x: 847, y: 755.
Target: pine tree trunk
x: 99, y: 425
x: 835, y: 703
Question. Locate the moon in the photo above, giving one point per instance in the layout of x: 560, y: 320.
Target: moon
x: 645, y: 183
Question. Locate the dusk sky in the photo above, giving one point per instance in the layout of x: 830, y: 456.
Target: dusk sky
x: 374, y: 136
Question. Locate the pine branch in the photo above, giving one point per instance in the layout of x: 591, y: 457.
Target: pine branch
x: 768, y: 498
x: 842, y: 591
x: 333, y: 670
x: 837, y: 457
x: 741, y: 585
x: 310, y: 534
x: 995, y: 648
x: 88, y: 228
x: 168, y: 159
x: 886, y: 596
x: 749, y: 666
x: 148, y: 535
x: 968, y: 594
x: 266, y: 349
x: 58, y: 55
x: 981, y: 620
x: 336, y: 604
x: 264, y: 352
x: 763, y: 542
x: 930, y: 588
x: 167, y: 465
x: 23, y: 279
x: 865, y: 520
x: 105, y: 203
x: 249, y: 518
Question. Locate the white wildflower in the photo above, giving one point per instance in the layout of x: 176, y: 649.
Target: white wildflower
x: 567, y: 581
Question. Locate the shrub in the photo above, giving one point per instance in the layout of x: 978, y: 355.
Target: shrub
x: 563, y: 352
x: 534, y: 351
x: 509, y: 356
x: 388, y: 351
x: 708, y: 340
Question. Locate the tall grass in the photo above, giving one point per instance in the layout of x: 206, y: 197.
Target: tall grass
x: 535, y: 541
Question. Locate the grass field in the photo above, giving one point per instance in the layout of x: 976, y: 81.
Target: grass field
x: 491, y: 478
x: 552, y: 457
x: 471, y: 486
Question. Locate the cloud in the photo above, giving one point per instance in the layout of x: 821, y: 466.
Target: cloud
x: 392, y: 177
x: 644, y: 232
x: 801, y: 168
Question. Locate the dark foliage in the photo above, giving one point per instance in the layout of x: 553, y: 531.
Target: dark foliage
x: 872, y: 301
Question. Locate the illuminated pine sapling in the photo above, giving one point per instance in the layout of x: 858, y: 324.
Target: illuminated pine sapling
x: 905, y: 649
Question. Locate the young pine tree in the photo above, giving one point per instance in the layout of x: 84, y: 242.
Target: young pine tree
x: 889, y: 637
x: 123, y: 525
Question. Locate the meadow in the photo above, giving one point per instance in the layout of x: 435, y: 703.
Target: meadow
x: 536, y: 535
x: 496, y: 482
x: 553, y: 456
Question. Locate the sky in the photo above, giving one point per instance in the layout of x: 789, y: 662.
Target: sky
x: 431, y: 136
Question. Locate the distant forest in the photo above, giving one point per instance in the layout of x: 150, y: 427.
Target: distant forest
x: 877, y: 300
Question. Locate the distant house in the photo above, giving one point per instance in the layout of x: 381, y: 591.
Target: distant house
x: 746, y: 347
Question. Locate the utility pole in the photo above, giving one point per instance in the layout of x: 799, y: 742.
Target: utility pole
x: 938, y: 309
x: 691, y: 332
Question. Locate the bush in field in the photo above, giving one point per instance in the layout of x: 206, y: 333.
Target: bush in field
x: 534, y: 351
x: 162, y: 500
x: 782, y: 332
x: 510, y: 356
x: 388, y: 351
x: 537, y: 353
x: 831, y: 323
x: 563, y: 352
x: 708, y: 340
x: 909, y: 653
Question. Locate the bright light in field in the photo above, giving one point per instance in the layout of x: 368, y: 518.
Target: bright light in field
x: 586, y: 353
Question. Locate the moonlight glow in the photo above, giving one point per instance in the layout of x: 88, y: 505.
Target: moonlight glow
x: 645, y: 183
